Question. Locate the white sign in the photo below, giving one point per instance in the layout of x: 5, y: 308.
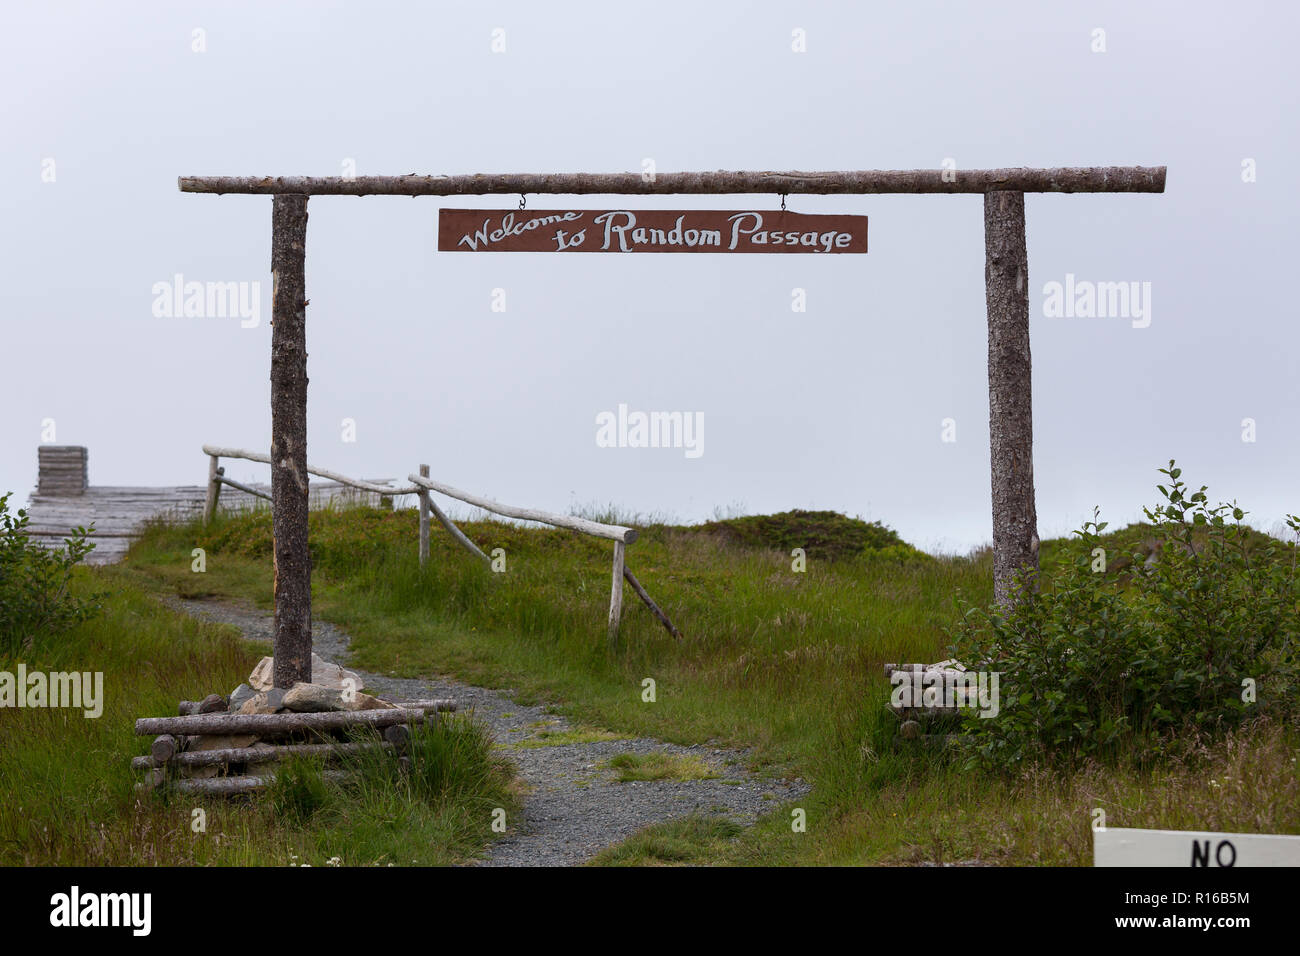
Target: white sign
x: 1121, y: 847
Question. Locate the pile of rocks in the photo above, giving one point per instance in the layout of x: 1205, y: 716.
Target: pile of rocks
x: 217, y: 744
x: 332, y: 688
x: 924, y: 691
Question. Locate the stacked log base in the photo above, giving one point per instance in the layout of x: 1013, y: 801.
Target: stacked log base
x: 186, y: 757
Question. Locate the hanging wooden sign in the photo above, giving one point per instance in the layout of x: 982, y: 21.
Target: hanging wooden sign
x: 647, y: 230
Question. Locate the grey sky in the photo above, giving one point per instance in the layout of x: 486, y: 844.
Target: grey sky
x: 839, y: 407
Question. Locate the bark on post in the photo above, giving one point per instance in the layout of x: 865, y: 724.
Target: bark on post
x: 1011, y: 435
x: 289, y: 499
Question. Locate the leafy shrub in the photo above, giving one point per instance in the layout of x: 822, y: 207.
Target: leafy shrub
x: 34, y: 581
x: 1100, y: 662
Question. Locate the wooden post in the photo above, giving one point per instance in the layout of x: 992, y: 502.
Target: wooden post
x: 1011, y: 433
x: 289, y: 497
x: 424, y: 518
x: 655, y: 609
x: 214, y: 489
x: 616, y: 592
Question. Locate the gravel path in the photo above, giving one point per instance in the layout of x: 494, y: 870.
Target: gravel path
x: 574, y: 807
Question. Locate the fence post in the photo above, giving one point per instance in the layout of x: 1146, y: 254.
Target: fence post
x: 616, y: 593
x: 1011, y: 433
x: 214, y: 490
x: 424, y: 518
x: 290, y: 494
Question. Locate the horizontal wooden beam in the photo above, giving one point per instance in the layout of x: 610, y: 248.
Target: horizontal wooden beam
x: 383, y: 490
x: 222, y: 786
x: 612, y: 531
x: 247, y: 755
x: 247, y: 489
x: 1088, y: 179
x: 276, y: 725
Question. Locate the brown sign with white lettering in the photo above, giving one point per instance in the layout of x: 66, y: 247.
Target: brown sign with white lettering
x: 647, y: 230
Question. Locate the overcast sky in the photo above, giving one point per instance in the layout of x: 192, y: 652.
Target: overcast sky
x: 839, y: 407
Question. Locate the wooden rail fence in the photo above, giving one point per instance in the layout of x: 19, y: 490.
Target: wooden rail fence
x: 422, y: 486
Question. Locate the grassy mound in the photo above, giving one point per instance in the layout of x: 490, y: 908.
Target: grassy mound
x: 823, y: 535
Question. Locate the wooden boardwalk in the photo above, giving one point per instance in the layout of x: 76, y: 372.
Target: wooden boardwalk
x: 118, y: 513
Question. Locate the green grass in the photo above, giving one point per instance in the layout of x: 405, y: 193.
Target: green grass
x: 378, y: 815
x: 67, y: 788
x: 564, y: 738
x: 659, y: 766
x: 692, y: 840
x: 785, y: 664
x: 767, y: 654
x: 1246, y: 782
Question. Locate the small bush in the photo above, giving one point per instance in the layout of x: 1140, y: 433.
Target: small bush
x: 34, y: 581
x: 1194, y: 637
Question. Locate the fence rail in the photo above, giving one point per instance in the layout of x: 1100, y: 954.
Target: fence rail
x: 595, y: 528
x: 422, y: 487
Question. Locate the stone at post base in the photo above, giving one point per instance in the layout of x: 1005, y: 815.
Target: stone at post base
x: 316, y: 698
x: 322, y: 672
x: 212, y: 704
x: 264, y: 702
x: 239, y: 696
